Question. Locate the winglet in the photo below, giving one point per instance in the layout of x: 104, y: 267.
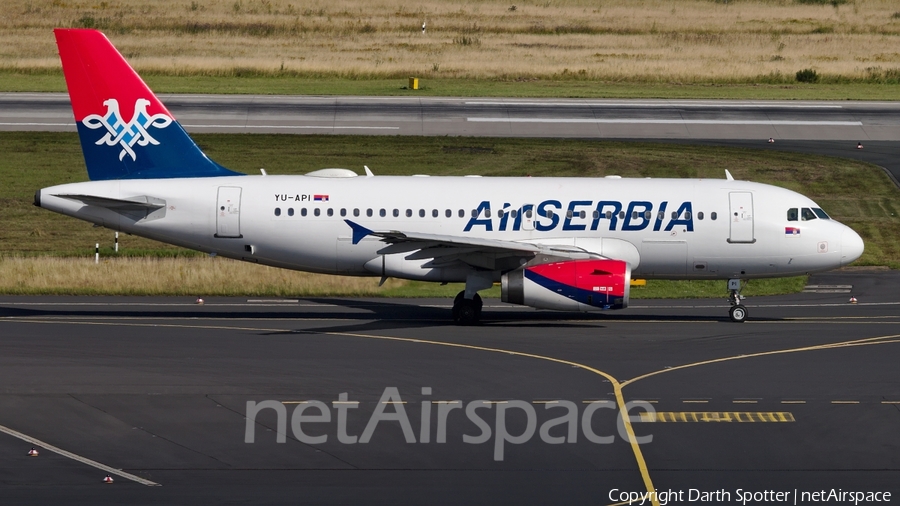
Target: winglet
x: 728, y: 175
x: 359, y: 231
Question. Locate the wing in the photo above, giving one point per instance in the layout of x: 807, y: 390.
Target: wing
x: 445, y: 250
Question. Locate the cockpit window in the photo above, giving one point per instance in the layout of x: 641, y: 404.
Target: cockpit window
x: 806, y: 214
x: 820, y: 213
x: 792, y: 214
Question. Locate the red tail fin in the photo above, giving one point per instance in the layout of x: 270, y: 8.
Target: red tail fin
x: 125, y: 131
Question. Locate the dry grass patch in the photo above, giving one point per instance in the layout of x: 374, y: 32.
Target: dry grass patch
x: 631, y: 40
x: 173, y: 276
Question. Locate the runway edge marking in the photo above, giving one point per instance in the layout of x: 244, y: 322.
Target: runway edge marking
x: 78, y: 458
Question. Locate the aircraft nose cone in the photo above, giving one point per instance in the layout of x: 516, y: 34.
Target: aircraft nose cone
x: 851, y: 246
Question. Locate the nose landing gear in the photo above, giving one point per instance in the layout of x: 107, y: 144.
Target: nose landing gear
x: 737, y: 312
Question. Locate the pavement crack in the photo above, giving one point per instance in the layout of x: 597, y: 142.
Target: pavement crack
x: 180, y: 445
x: 288, y: 436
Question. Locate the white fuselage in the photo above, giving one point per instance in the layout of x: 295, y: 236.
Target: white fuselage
x: 297, y: 222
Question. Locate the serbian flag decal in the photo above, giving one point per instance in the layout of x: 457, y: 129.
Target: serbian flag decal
x: 791, y: 231
x: 320, y: 198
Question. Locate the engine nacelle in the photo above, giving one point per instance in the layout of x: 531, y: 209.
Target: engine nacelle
x: 572, y: 285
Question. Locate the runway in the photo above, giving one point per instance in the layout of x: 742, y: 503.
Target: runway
x: 802, y: 397
x: 832, y: 128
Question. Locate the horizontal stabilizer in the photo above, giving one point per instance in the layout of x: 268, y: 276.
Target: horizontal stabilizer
x: 140, y: 203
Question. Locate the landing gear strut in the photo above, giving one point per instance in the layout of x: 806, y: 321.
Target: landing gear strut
x: 467, y: 311
x: 737, y: 313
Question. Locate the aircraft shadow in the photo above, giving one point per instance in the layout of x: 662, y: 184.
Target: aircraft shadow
x: 359, y: 315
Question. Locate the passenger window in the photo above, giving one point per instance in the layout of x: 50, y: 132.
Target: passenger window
x: 409, y: 213
x: 596, y: 215
x: 569, y: 214
x: 277, y: 211
x: 487, y: 213
x: 462, y: 213
x: 369, y: 212
x: 648, y: 215
x: 528, y: 214
x: 448, y: 213
x: 582, y: 214
x: 806, y: 214
x: 356, y: 212
x: 317, y: 211
x: 514, y: 213
x: 713, y: 216
x: 661, y: 216
x: 396, y: 213
x: 674, y: 215
x: 608, y: 215
x: 330, y: 212
x: 382, y: 213
x: 634, y: 215
x: 700, y: 215
x: 687, y: 215
x: 474, y: 213
x: 500, y: 213
x: 290, y: 211
x: 434, y: 213
x: 621, y: 215
x: 302, y: 211
x: 343, y: 212
x: 792, y: 214
x: 421, y: 213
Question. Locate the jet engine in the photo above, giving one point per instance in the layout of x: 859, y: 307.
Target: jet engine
x: 571, y: 285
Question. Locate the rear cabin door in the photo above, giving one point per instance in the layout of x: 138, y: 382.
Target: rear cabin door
x: 228, y: 212
x: 741, y: 206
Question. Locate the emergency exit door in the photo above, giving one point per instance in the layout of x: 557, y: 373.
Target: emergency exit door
x: 741, y: 217
x: 228, y: 212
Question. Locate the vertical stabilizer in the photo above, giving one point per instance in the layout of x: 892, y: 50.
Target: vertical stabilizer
x: 125, y: 131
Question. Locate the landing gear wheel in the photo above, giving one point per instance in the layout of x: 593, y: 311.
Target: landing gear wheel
x: 467, y: 311
x: 738, y: 313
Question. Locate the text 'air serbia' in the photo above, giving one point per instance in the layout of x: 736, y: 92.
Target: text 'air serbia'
x: 553, y: 243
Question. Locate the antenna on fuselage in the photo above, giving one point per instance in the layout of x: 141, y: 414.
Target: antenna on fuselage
x: 728, y: 175
x: 368, y: 171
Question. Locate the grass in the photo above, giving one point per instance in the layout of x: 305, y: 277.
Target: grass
x: 51, y: 80
x: 682, y: 48
x: 857, y: 194
x: 204, y: 276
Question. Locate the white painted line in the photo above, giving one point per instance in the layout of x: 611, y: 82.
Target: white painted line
x: 297, y: 127
x: 661, y: 105
x: 37, y: 124
x: 630, y: 121
x: 275, y: 301
x: 78, y: 458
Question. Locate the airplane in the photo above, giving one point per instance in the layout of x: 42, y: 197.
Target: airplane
x: 570, y: 244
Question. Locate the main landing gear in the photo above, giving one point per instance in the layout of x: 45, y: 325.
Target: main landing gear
x: 467, y: 304
x: 467, y: 311
x: 737, y: 313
